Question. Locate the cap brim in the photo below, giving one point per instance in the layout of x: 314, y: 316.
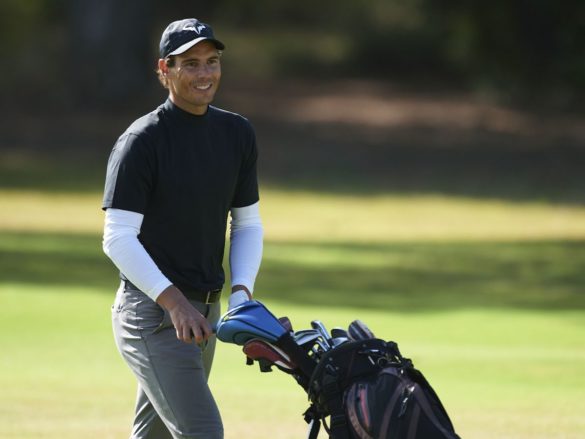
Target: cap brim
x: 189, y: 44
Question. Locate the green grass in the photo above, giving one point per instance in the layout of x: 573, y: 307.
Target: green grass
x: 500, y: 373
x: 492, y: 312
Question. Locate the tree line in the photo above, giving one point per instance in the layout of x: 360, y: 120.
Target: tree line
x: 521, y: 50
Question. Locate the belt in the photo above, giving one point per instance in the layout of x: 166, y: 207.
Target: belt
x: 206, y: 297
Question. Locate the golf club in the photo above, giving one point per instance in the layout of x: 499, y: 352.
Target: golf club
x: 337, y: 341
x: 339, y: 332
x: 319, y: 326
x: 358, y: 330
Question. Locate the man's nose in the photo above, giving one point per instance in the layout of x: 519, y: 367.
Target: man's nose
x: 204, y: 71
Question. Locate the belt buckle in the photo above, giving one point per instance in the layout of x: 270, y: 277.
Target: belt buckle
x: 207, y: 302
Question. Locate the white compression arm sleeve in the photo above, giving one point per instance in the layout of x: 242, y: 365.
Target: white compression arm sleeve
x: 246, y: 234
x: 122, y: 246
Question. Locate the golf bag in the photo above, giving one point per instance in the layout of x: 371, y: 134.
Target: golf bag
x: 370, y: 391
x: 361, y: 383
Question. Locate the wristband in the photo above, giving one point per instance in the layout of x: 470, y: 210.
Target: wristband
x: 237, y: 298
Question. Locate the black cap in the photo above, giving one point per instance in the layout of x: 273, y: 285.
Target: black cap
x: 181, y: 35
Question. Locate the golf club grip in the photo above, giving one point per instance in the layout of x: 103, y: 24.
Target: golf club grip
x: 296, y: 354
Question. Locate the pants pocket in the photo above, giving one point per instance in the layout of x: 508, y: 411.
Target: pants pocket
x: 150, y: 316
x: 165, y: 323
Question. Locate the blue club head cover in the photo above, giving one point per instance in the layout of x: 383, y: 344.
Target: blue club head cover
x: 247, y: 321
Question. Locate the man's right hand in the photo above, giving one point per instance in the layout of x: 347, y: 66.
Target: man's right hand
x: 188, y: 322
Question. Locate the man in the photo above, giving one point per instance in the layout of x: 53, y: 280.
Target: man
x: 173, y: 178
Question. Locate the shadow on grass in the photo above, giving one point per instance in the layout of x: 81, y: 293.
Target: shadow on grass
x: 55, y: 259
x: 417, y: 276
x: 398, y: 276
x: 60, y: 171
x: 342, y: 158
x: 471, y: 163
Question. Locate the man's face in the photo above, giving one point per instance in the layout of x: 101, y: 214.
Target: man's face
x: 194, y: 78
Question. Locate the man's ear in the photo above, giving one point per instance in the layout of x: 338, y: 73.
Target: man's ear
x: 162, y: 66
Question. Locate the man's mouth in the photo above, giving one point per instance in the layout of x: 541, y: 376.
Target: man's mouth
x: 203, y: 86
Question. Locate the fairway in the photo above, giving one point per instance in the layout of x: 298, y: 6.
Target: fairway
x: 486, y: 296
x: 418, y: 166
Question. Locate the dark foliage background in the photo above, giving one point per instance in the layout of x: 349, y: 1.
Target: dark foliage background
x: 91, y: 51
x: 413, y: 96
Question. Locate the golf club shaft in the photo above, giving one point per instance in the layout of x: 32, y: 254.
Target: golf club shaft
x: 296, y: 354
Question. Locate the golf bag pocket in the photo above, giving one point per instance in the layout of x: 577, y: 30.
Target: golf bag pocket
x: 396, y: 403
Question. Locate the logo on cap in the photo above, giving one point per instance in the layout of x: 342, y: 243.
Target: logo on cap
x: 196, y: 29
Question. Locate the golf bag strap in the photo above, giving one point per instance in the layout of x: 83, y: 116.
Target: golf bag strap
x: 314, y: 428
x: 338, y: 428
x: 314, y: 421
x: 312, y: 418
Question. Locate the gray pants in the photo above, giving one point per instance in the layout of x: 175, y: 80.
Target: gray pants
x: 174, y: 400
